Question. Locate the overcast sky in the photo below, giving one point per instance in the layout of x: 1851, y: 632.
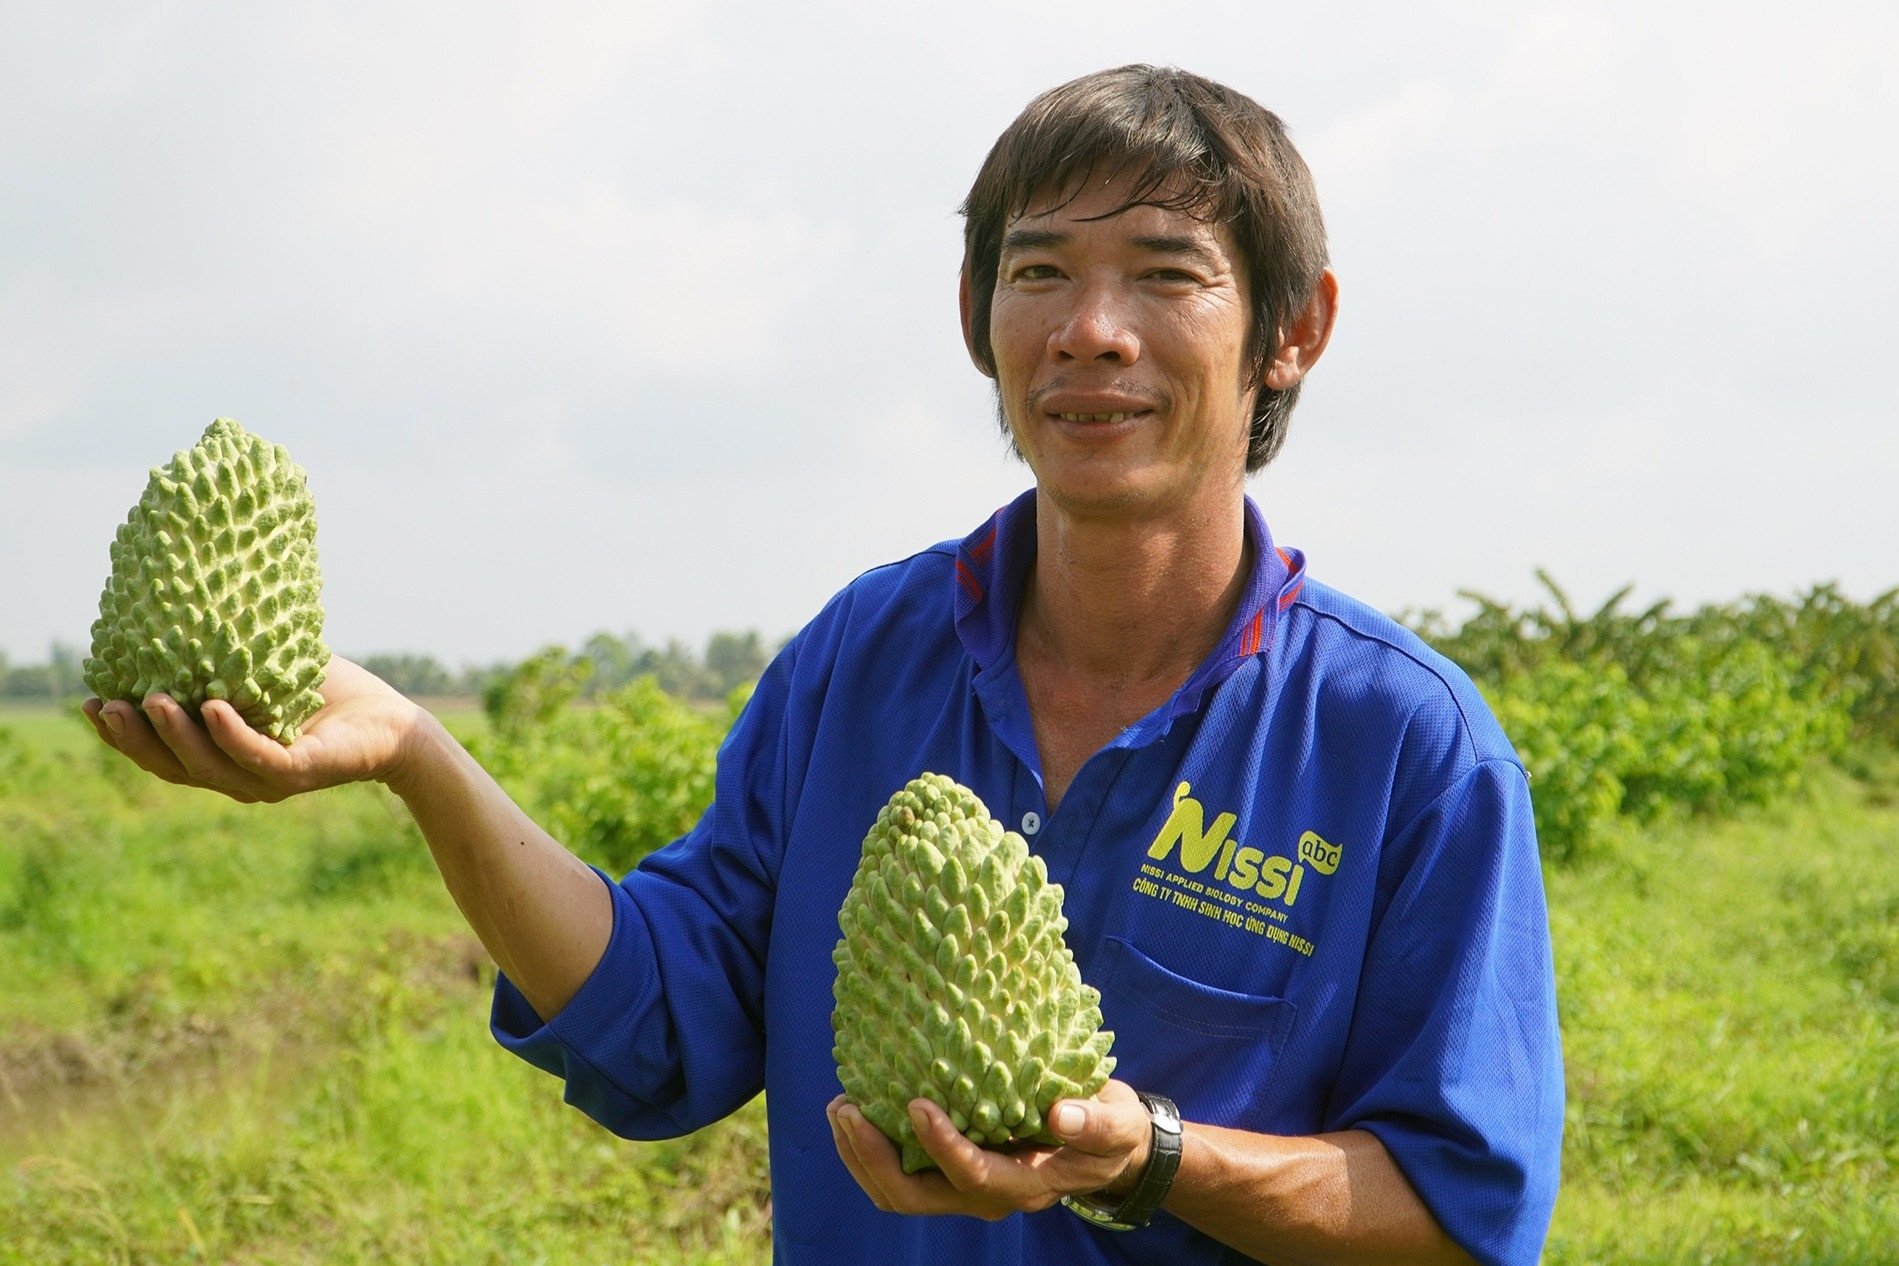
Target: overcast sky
x: 634, y: 316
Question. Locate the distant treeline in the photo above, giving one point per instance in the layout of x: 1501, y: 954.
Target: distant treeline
x: 608, y: 662
x: 58, y: 678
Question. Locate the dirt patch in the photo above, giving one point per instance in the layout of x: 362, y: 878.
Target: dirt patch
x: 47, y: 1076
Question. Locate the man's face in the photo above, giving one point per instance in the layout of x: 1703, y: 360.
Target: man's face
x: 1119, y: 348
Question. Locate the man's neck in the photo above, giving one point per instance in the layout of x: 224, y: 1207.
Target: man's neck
x: 1133, y: 606
x: 1115, y: 618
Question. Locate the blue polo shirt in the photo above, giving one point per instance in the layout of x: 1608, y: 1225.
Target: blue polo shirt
x: 1306, y: 886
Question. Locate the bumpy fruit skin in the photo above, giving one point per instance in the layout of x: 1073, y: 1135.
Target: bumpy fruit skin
x: 953, y: 981
x: 214, y: 592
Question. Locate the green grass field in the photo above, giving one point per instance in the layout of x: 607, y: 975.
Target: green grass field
x: 258, y: 1034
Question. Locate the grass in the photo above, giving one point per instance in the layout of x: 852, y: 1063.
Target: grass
x: 257, y: 1034
x: 1730, y: 1006
x: 228, y: 1034
x: 367, y: 1152
x: 47, y: 729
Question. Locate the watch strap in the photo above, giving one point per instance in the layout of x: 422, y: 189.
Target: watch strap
x: 1156, y: 1180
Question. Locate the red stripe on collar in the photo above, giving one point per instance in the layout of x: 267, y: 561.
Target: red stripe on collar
x: 1249, y: 641
x: 969, y: 581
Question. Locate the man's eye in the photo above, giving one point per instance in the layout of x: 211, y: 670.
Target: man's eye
x: 1035, y: 272
x: 1171, y: 274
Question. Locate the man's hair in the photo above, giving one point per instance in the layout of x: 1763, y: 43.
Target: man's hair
x: 1189, y: 144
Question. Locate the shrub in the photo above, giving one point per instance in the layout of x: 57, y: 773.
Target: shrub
x: 612, y: 780
x: 1637, y: 717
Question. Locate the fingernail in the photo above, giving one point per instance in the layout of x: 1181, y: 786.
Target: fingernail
x: 1069, y: 1118
x: 157, y: 714
x: 918, y: 1117
x: 113, y: 720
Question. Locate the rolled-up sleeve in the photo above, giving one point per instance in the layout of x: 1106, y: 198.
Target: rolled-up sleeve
x: 667, y: 1033
x: 1454, y: 1061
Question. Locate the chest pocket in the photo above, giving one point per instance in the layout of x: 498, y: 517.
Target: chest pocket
x: 1212, y: 1051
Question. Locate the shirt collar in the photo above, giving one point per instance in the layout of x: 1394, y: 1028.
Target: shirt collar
x: 992, y: 564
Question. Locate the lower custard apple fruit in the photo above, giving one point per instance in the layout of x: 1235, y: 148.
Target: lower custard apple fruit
x: 953, y: 981
x: 214, y: 592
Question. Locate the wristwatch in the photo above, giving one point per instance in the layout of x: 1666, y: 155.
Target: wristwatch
x: 1163, y: 1160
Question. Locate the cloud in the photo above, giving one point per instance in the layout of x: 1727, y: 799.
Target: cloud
x: 36, y: 389
x: 1555, y: 54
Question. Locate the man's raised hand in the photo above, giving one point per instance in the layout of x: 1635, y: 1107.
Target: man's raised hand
x: 359, y: 734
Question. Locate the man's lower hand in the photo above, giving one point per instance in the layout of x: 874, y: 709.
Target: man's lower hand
x: 1105, y: 1144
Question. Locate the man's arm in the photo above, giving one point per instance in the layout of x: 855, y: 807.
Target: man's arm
x: 543, y: 915
x: 1291, y: 1201
x: 1297, y: 1201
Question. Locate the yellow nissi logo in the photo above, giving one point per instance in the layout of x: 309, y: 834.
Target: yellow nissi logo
x: 1245, y: 869
x: 1186, y: 826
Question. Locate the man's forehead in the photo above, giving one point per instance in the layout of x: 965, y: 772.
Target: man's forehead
x: 1122, y: 195
x: 1089, y: 211
x: 1147, y: 219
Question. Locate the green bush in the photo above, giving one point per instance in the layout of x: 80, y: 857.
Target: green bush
x: 1730, y: 725
x: 1843, y: 649
x: 1574, y: 730
x: 612, y: 780
x: 1631, y: 718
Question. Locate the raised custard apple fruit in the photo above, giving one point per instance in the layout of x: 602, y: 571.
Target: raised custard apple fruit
x: 214, y: 592
x: 953, y: 981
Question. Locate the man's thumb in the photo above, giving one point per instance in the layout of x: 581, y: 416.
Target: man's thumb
x: 1069, y: 1121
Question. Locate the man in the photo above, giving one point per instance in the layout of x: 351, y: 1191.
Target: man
x: 1297, y: 851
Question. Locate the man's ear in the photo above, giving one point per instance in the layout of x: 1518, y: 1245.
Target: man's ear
x: 1301, y: 345
x: 963, y: 305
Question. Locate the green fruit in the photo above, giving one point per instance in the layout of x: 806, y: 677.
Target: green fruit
x: 214, y: 592
x: 953, y: 981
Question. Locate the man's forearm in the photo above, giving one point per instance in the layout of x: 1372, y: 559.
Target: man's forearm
x: 1313, y: 1201
x: 542, y: 914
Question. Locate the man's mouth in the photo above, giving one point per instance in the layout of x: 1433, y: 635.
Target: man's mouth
x: 1095, y: 417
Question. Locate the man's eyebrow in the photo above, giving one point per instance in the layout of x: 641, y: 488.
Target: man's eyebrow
x: 1032, y: 239
x: 1178, y: 245
x: 1186, y: 247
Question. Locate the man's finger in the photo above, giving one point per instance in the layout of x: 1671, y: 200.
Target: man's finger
x: 204, y: 764
x: 251, y: 751
x: 132, y: 734
x: 1108, y: 1126
x: 1103, y: 1139
x: 969, y: 1168
x: 882, y: 1165
x: 872, y: 1160
x: 847, y: 1152
x: 993, y: 1184
x: 93, y: 710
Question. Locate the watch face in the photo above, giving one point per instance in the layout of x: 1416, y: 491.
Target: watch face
x: 1086, y: 1208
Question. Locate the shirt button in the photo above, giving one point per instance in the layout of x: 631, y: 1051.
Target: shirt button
x: 1031, y: 822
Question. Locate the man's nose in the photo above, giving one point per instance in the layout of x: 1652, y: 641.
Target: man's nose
x: 1096, y: 328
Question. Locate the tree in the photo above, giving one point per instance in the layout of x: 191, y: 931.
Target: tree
x: 733, y: 659
x: 414, y: 675
x: 615, y: 661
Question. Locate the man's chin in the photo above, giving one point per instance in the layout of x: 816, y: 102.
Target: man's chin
x: 1120, y: 498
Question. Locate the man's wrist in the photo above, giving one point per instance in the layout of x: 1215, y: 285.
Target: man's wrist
x: 1130, y: 1176
x: 420, y: 749
x: 1131, y: 1209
